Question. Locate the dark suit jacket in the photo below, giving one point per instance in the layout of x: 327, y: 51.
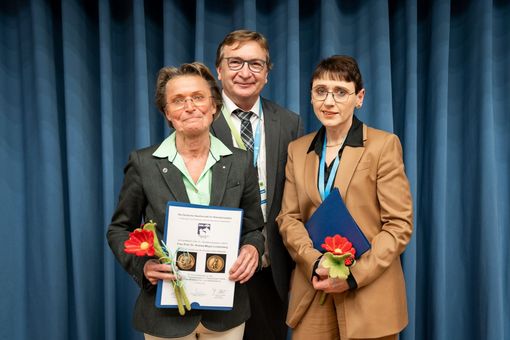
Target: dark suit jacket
x: 281, y: 126
x: 149, y: 183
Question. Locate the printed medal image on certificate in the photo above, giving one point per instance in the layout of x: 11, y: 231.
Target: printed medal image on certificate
x: 204, y: 242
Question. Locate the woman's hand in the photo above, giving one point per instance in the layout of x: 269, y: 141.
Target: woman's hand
x: 327, y: 284
x: 246, y: 264
x: 154, y: 271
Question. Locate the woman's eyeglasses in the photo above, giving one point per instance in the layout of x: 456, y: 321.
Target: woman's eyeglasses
x: 339, y: 95
x: 180, y: 102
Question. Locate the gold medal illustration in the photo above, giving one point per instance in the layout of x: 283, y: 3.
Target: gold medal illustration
x: 215, y: 264
x: 185, y: 261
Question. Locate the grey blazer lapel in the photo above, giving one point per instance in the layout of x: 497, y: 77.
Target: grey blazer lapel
x: 272, y: 134
x: 220, y: 129
x: 173, y: 179
x: 220, y: 171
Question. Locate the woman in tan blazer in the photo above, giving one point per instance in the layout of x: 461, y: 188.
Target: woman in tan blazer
x: 366, y: 165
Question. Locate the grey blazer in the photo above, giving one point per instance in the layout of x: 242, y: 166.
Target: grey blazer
x: 281, y: 126
x: 150, y: 182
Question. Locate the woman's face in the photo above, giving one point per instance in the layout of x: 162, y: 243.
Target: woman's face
x: 334, y: 102
x: 189, y: 107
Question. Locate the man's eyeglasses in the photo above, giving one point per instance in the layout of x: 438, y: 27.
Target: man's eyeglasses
x: 339, y: 95
x: 180, y: 102
x: 255, y: 65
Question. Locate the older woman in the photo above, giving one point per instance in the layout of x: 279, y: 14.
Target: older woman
x: 189, y: 166
x: 366, y: 165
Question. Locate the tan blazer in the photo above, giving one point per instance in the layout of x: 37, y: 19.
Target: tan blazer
x: 373, y: 184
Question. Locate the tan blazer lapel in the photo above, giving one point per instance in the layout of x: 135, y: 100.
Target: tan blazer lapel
x: 311, y: 178
x: 348, y: 163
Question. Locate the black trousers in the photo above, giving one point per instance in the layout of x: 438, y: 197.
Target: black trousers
x: 268, y: 311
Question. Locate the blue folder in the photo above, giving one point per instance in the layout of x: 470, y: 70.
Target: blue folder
x: 331, y: 218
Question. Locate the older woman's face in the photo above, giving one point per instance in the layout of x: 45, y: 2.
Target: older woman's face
x: 334, y: 102
x: 189, y: 107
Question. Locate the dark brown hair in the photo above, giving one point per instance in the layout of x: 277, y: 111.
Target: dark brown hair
x: 190, y: 69
x: 240, y: 37
x: 339, y: 67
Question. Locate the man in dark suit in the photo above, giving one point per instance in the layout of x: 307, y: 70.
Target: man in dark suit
x: 258, y: 125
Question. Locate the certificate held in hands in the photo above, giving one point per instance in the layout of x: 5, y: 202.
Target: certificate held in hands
x: 331, y: 218
x: 204, y: 242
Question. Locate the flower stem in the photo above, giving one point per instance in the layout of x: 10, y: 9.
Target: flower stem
x: 323, y: 298
x: 185, y: 298
x: 178, y: 296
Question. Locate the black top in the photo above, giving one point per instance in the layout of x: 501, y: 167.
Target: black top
x: 354, y: 138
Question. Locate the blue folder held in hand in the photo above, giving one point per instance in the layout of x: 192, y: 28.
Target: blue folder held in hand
x: 331, y: 218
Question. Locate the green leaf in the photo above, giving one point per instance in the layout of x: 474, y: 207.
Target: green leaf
x: 157, y: 246
x: 336, y: 265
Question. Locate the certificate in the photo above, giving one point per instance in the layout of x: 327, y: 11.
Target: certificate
x: 204, y: 243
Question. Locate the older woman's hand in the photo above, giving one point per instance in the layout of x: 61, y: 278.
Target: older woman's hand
x: 154, y: 271
x: 327, y: 284
x: 246, y: 264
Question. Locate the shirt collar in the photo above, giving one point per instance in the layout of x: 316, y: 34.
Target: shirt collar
x: 167, y: 148
x: 231, y: 107
x: 354, y: 137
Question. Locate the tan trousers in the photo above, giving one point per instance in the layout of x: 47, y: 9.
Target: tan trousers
x: 325, y: 322
x: 203, y: 333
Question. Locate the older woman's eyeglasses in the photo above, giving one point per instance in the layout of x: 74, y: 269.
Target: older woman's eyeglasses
x: 255, y: 65
x: 339, y: 95
x: 197, y: 100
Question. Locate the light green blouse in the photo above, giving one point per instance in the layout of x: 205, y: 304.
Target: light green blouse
x: 200, y: 192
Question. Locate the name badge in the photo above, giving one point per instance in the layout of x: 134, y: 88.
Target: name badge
x: 263, y: 199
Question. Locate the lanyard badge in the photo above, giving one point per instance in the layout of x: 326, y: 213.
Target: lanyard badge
x: 324, y: 191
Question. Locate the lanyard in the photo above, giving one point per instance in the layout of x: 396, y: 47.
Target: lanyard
x: 322, y: 169
x: 237, y: 135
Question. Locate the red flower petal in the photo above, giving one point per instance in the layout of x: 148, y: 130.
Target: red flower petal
x: 140, y: 243
x: 338, y: 245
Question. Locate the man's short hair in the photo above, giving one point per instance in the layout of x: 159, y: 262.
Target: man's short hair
x: 240, y: 37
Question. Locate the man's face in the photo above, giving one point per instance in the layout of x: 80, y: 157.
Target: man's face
x: 243, y: 86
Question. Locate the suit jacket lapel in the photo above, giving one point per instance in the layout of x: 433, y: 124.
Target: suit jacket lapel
x: 312, y: 177
x: 173, y: 179
x: 348, y: 164
x: 272, y: 134
x: 220, y: 129
x: 220, y: 172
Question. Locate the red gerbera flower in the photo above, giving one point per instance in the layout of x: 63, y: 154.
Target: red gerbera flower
x: 338, y: 245
x: 140, y: 243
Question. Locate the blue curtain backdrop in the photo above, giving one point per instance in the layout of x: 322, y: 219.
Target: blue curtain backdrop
x: 76, y: 95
